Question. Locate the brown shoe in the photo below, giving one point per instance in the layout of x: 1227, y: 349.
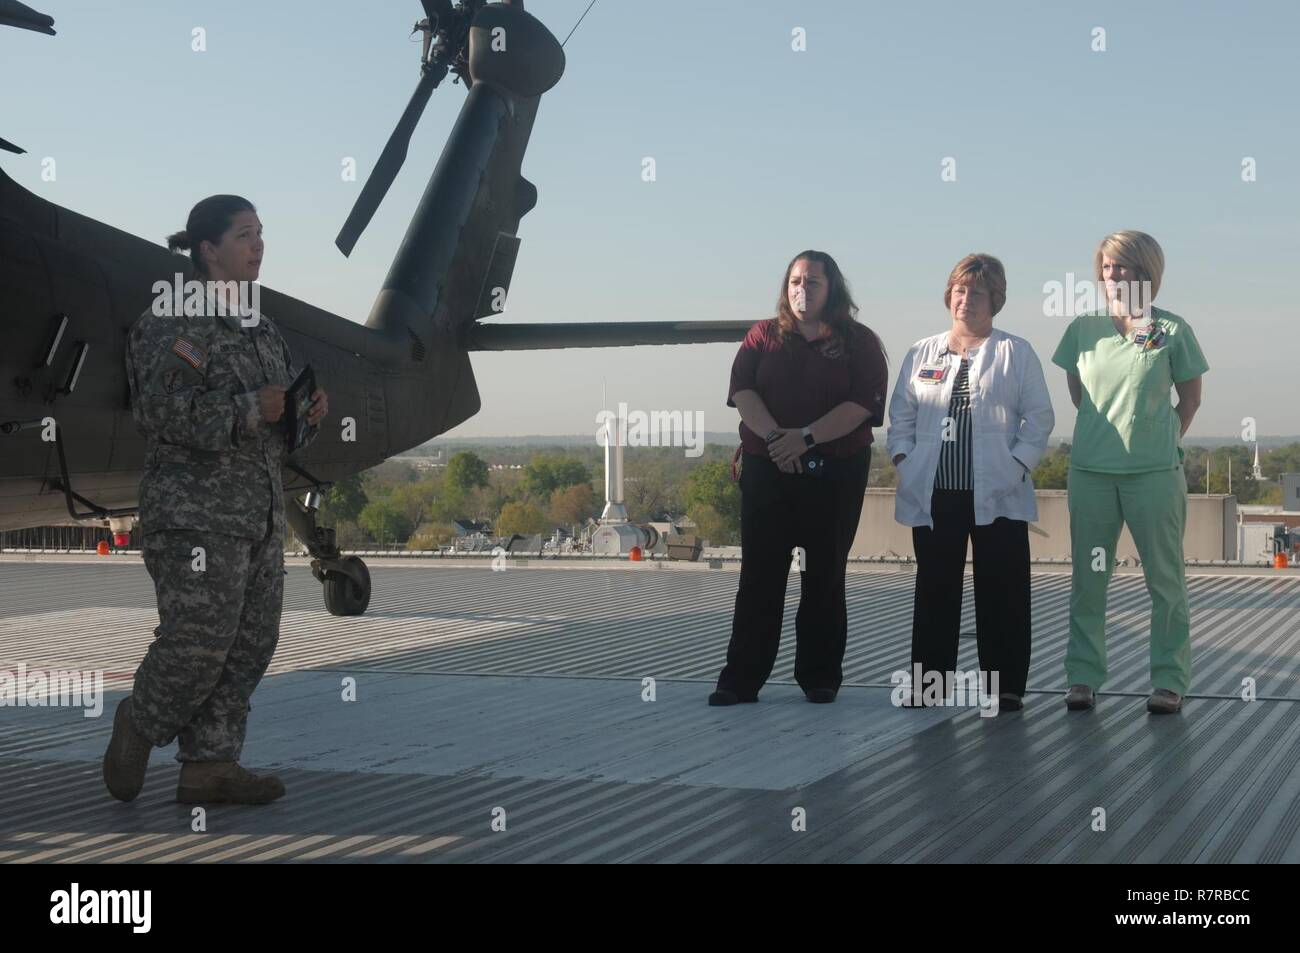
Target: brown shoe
x: 127, y: 757
x: 1164, y: 702
x: 1080, y: 698
x: 225, y: 782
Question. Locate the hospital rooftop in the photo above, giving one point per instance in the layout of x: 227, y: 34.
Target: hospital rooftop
x: 520, y: 696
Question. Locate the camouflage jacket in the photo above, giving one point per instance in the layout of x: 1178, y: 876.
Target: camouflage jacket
x: 211, y: 462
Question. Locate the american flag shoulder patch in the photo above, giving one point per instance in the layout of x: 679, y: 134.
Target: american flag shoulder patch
x: 188, y: 352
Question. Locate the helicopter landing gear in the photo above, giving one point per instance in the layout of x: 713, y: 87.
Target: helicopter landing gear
x: 345, y: 580
x: 347, y: 589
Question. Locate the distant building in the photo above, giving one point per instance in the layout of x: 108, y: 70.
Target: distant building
x: 1291, y: 492
x: 519, y: 543
x: 423, y: 463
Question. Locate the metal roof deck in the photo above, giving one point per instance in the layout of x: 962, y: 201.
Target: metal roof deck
x: 522, y: 690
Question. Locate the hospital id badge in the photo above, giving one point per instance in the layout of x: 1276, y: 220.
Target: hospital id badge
x: 1149, y: 337
x: 932, y: 373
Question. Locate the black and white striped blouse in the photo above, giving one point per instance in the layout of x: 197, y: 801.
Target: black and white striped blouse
x: 955, y: 458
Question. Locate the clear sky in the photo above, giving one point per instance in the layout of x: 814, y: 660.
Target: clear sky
x: 760, y: 151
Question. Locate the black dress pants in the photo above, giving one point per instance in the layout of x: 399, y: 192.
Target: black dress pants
x: 778, y: 512
x: 1001, y: 570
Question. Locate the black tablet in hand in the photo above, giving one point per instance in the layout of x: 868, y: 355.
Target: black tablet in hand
x: 297, y: 403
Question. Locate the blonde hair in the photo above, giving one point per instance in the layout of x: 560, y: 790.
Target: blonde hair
x: 1136, y: 250
x: 979, y: 271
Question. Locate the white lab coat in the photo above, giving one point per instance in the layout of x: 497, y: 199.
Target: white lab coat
x: 1011, y: 419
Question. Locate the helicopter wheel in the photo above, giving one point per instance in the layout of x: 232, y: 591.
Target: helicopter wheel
x: 342, y: 595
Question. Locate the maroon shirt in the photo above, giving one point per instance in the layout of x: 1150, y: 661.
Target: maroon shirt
x: 803, y: 380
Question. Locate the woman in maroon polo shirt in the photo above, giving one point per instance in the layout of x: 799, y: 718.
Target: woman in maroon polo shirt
x: 809, y: 383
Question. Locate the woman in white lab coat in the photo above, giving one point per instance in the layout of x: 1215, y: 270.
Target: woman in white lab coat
x: 969, y: 419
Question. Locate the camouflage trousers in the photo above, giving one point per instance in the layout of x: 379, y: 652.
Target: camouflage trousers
x: 219, y: 601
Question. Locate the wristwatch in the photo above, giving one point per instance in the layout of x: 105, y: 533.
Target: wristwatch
x: 808, y: 437
x: 770, y: 434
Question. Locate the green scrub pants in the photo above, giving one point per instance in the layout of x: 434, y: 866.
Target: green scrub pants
x: 1154, y: 505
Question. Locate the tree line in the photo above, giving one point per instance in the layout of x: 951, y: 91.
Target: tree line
x: 397, y: 504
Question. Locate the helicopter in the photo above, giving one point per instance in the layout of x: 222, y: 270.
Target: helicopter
x: 71, y: 287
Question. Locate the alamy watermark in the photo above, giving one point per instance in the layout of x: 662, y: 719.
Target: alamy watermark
x: 127, y: 907
x: 53, y: 688
x: 194, y: 298
x: 932, y: 688
x: 1076, y: 296
x: 655, y: 428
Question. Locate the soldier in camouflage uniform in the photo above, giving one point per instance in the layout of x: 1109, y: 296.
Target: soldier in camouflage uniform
x: 207, y: 392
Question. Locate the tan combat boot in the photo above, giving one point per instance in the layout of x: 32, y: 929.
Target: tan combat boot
x: 127, y: 757
x: 225, y: 782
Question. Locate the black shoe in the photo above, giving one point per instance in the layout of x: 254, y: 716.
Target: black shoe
x: 1009, y: 701
x: 820, y: 696
x: 725, y: 696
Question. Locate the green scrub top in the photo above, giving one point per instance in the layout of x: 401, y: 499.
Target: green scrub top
x: 1126, y: 421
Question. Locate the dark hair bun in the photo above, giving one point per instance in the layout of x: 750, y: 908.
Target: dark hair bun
x: 208, y: 221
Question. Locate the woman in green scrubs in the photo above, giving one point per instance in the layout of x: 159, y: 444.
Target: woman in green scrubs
x: 1126, y: 464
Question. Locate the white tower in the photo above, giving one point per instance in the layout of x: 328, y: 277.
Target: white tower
x: 615, y: 511
x: 615, y: 535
